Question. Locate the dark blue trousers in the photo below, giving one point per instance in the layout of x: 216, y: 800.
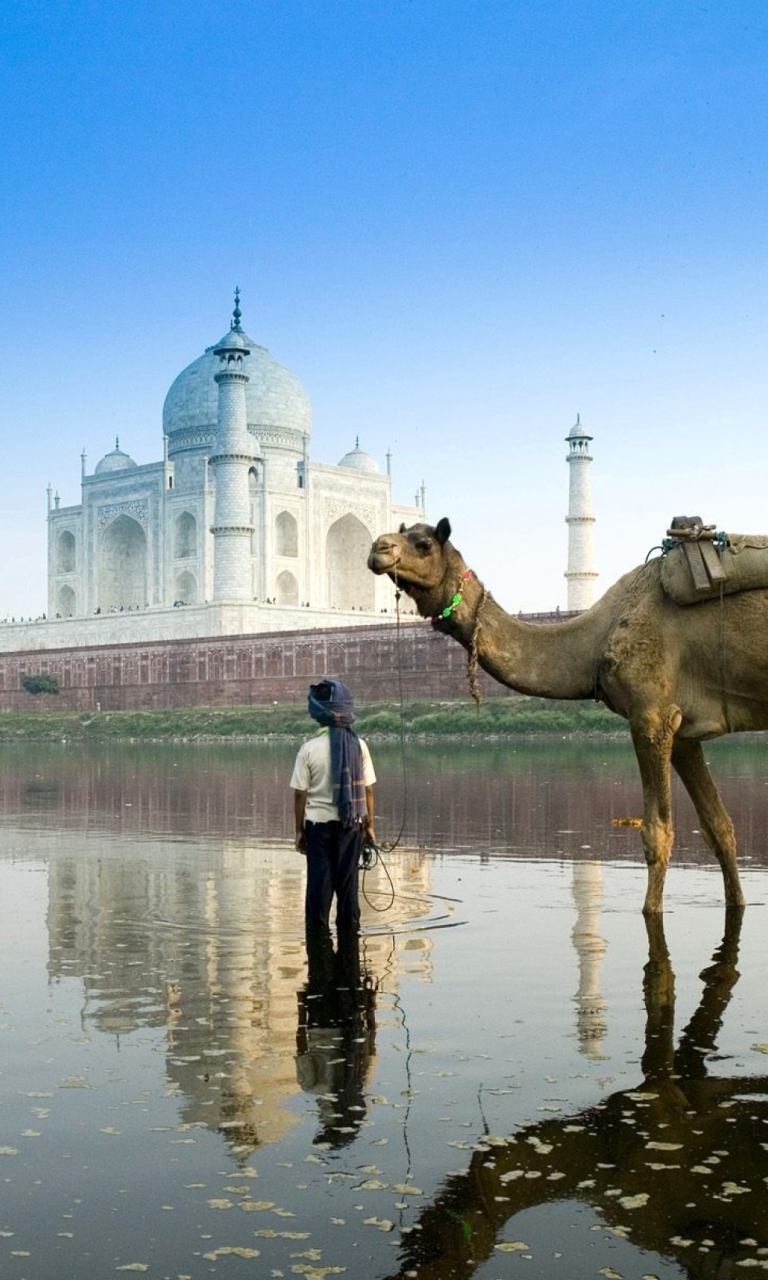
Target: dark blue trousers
x: 333, y: 858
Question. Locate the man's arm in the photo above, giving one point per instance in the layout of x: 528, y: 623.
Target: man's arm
x: 370, y: 830
x: 299, y: 810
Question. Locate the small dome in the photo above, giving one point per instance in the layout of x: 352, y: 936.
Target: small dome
x: 577, y: 431
x: 114, y: 461
x: 235, y: 340
x: 358, y: 460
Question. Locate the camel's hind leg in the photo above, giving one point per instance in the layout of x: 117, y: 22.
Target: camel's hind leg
x: 716, y: 826
x: 652, y: 741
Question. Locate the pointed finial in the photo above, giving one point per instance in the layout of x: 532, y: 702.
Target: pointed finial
x: 237, y: 313
x: 357, y: 442
x: 117, y: 444
x: 578, y: 419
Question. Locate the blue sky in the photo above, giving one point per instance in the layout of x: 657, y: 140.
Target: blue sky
x: 459, y: 223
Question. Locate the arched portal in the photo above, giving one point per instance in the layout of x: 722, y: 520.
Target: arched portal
x: 65, y: 602
x: 287, y: 588
x: 350, y: 584
x: 185, y: 536
x: 186, y: 588
x: 123, y: 566
x: 65, y: 553
x: 286, y: 535
x: 254, y: 506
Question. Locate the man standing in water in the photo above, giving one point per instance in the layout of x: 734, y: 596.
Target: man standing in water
x: 332, y: 782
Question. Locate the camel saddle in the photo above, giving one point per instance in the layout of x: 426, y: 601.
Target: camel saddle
x: 699, y: 563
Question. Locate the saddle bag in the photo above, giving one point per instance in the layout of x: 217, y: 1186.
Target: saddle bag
x: 700, y: 564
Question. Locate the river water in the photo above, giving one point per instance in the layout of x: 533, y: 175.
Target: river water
x: 511, y: 1075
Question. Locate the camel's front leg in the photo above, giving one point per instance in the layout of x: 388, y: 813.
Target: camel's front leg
x: 652, y: 737
x: 716, y: 825
x: 659, y: 992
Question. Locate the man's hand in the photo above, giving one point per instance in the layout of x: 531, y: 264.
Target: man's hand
x: 301, y: 842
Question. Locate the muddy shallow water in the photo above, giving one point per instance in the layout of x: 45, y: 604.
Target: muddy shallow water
x: 510, y: 1075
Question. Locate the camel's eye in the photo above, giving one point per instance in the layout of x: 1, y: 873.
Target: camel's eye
x: 424, y: 545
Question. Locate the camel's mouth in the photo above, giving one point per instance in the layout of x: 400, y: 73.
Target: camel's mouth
x: 383, y: 557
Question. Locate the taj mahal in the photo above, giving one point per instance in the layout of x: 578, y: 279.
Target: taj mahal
x: 234, y: 530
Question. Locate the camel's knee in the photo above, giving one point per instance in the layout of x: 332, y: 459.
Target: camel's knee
x: 657, y: 841
x: 655, y: 728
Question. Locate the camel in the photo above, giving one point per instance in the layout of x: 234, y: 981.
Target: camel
x: 675, y: 1164
x: 678, y: 674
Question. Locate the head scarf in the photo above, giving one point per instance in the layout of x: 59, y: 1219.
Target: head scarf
x: 336, y: 711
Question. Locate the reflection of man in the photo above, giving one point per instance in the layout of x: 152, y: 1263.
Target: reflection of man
x: 336, y: 1034
x: 333, y: 781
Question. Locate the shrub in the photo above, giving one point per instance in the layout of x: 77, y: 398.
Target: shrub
x: 40, y: 684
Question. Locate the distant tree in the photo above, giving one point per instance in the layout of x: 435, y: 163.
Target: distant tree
x: 40, y: 684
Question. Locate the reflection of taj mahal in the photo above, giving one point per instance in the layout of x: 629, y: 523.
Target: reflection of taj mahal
x: 234, y: 515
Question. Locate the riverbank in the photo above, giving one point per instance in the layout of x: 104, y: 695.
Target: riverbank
x: 494, y: 718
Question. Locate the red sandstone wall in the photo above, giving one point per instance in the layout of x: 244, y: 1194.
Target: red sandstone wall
x: 239, y: 670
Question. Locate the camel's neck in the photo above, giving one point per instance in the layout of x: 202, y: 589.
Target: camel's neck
x: 554, y: 660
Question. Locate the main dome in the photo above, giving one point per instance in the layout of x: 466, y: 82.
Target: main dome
x: 277, y: 406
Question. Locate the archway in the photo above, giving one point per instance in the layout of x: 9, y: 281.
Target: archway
x: 287, y: 588
x: 186, y: 588
x: 123, y: 566
x: 350, y: 584
x: 253, y: 507
x: 185, y: 536
x: 65, y: 603
x: 65, y: 553
x: 286, y: 535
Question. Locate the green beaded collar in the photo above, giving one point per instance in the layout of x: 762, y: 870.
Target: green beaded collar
x: 456, y: 601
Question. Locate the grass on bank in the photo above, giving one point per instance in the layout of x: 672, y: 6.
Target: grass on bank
x: 496, y: 717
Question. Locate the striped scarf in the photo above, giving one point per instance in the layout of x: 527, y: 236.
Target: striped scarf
x: 336, y: 711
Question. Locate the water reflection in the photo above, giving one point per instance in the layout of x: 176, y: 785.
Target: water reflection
x: 209, y: 949
x: 590, y: 947
x: 166, y: 1039
x: 675, y: 1165
x: 538, y: 799
x: 336, y: 1034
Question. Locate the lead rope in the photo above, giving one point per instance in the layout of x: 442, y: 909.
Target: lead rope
x: 723, y: 689
x: 472, y: 660
x: 372, y: 853
x: 401, y: 699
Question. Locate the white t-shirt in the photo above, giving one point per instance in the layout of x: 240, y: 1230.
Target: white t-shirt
x: 312, y: 773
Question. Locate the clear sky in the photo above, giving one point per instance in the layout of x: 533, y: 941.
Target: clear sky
x: 459, y: 222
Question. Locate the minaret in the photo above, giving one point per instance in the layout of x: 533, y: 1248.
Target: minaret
x: 234, y: 455
x: 580, y: 573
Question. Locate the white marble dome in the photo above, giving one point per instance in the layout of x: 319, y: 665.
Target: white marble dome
x: 277, y: 406
x: 358, y: 460
x: 577, y: 431
x: 114, y: 461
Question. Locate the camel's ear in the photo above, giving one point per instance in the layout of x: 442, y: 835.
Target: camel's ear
x: 443, y: 530
x: 402, y: 528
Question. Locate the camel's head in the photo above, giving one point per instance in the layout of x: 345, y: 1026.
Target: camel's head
x: 417, y: 559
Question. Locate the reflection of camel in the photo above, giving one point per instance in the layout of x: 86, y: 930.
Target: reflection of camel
x: 678, y: 675
x: 678, y: 1164
x: 336, y: 1034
